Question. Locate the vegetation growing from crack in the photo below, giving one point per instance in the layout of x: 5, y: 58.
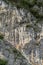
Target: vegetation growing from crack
x: 28, y: 4
x: 3, y: 62
x: 17, y: 54
x: 1, y: 36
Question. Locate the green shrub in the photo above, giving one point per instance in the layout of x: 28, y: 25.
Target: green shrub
x: 1, y: 36
x: 17, y: 54
x: 3, y: 62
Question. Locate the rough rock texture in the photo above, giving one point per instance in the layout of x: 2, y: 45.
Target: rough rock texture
x: 22, y: 26
x: 12, y: 56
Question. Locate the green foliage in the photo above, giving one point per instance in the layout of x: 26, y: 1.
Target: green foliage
x: 1, y: 36
x: 17, y: 54
x: 14, y: 50
x: 37, y: 44
x: 27, y: 4
x: 3, y: 62
x: 39, y: 3
x: 28, y: 26
x: 21, y: 3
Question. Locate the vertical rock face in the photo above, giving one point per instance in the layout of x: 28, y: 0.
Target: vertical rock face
x: 11, y: 20
x: 13, y: 24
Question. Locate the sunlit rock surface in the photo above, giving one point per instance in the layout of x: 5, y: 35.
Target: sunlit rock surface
x: 13, y: 23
